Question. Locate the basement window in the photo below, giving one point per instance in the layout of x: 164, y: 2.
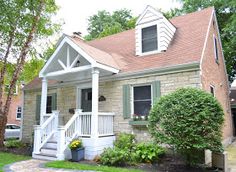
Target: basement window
x: 149, y: 39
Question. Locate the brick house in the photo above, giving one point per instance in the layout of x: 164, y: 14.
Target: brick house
x: 93, y: 89
x: 15, y: 110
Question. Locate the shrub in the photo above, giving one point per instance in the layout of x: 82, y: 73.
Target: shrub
x: 14, y: 144
x: 148, y: 152
x: 127, y: 152
x: 125, y: 141
x: 115, y: 157
x: 188, y: 119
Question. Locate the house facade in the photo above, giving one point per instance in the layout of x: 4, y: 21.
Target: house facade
x: 16, y: 107
x: 96, y: 89
x: 233, y: 105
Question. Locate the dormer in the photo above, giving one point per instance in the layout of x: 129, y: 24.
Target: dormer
x: 153, y: 32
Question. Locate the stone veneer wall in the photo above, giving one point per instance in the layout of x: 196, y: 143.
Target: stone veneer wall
x: 112, y: 91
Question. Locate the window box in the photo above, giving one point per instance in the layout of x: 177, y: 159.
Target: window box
x: 137, y: 123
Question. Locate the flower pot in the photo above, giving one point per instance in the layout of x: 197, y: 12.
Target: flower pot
x: 77, y: 154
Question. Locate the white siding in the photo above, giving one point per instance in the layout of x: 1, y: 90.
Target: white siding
x: 165, y: 30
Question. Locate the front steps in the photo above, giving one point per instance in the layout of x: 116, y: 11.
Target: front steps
x: 48, y: 151
x: 93, y: 147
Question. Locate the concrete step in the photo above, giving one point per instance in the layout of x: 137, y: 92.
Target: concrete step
x: 50, y: 145
x: 49, y: 151
x: 43, y: 156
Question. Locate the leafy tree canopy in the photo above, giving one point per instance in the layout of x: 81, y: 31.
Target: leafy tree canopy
x: 104, y: 23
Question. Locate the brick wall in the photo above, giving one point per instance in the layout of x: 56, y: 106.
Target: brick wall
x: 214, y: 74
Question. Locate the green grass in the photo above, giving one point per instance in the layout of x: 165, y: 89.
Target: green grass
x: 79, y: 166
x: 8, y: 158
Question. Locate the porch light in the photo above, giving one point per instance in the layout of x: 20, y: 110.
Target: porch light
x: 101, y: 99
x: 77, y: 63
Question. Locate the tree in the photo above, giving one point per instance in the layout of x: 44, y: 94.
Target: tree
x: 103, y: 23
x: 22, y: 23
x: 189, y: 120
x: 226, y: 16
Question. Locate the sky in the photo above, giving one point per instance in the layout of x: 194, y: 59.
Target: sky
x: 75, y: 13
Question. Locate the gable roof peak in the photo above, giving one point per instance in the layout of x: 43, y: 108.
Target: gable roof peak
x: 151, y: 10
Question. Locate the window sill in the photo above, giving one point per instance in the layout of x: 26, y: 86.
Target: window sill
x: 138, y: 123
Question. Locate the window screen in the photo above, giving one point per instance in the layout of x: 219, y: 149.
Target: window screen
x: 142, y: 100
x: 149, y: 39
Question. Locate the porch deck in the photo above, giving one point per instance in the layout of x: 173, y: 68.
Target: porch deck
x: 79, y: 126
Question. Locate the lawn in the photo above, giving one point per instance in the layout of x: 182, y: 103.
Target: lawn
x: 79, y: 166
x: 8, y: 158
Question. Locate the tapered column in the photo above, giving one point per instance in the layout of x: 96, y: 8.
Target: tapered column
x: 95, y: 89
x: 43, y: 99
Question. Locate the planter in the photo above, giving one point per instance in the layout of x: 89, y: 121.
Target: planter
x: 138, y: 123
x: 77, y: 154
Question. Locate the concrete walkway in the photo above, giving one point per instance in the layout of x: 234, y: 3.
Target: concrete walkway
x: 33, y: 165
x: 232, y: 156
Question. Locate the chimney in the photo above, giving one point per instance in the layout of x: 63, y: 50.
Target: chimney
x: 77, y: 35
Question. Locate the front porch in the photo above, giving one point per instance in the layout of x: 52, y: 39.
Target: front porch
x: 70, y: 63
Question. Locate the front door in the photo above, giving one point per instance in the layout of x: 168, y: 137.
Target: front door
x: 86, y: 100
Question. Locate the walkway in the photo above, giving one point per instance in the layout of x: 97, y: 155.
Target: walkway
x: 232, y: 156
x: 35, y: 166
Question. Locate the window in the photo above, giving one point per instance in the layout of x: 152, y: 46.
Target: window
x: 149, y: 39
x: 212, y: 90
x: 216, y: 50
x: 49, y: 104
x: 18, y: 112
x: 142, y: 100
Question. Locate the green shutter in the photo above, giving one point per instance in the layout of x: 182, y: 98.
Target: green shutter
x: 156, y: 91
x: 38, y: 103
x: 126, y: 101
x: 54, y: 101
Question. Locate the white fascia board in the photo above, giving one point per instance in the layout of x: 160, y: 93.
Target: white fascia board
x: 80, y: 51
x: 105, y: 67
x: 41, y: 73
x: 150, y: 8
x: 70, y: 70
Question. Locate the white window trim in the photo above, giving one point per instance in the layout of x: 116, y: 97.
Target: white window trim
x: 142, y: 26
x: 17, y: 112
x: 16, y: 89
x: 132, y: 96
x: 214, y: 91
x: 216, y: 59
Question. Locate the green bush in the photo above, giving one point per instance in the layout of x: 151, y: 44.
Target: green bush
x: 14, y: 144
x: 127, y: 152
x: 125, y: 141
x: 148, y: 152
x: 115, y: 157
x: 188, y: 119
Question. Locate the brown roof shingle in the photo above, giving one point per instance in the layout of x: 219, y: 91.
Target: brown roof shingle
x: 118, y: 50
x: 186, y: 46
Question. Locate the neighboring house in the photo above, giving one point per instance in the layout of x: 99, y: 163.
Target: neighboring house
x: 16, y: 107
x: 117, y: 77
x: 233, y: 105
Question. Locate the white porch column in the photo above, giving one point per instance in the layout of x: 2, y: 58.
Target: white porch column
x: 43, y: 99
x: 95, y: 89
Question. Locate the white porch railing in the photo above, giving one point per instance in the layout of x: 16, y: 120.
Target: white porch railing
x: 105, y: 124
x: 42, y: 133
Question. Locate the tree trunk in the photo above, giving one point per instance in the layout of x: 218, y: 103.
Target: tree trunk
x: 3, y: 122
x: 19, y: 67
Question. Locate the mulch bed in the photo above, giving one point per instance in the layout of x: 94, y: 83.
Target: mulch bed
x: 26, y: 150
x: 168, y: 163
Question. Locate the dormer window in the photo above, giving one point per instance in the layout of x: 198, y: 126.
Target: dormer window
x: 149, y: 39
